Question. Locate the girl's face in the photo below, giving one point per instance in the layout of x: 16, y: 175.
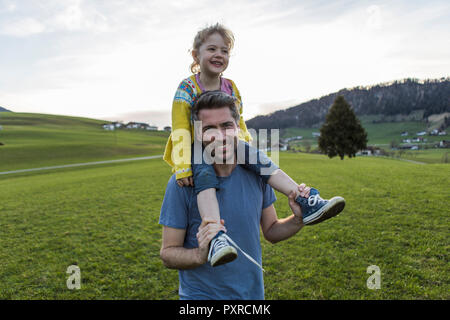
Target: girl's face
x: 213, y: 55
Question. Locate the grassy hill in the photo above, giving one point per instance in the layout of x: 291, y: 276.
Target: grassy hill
x: 382, y: 134
x: 37, y: 140
x: 105, y: 220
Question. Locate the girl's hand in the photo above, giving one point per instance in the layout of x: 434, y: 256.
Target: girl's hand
x: 303, y: 190
x: 189, y: 181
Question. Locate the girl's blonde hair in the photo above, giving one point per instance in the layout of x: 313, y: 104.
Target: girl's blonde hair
x: 201, y: 36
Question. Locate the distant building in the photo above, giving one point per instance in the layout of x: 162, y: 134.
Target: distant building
x: 117, y: 125
x: 293, y: 138
x: 139, y: 125
x: 168, y: 129
x: 316, y: 134
x: 404, y: 134
x: 437, y: 132
x: 370, y: 151
x: 109, y: 126
x: 151, y: 128
x: 422, y: 133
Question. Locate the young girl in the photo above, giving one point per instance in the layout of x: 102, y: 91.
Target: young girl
x: 211, y: 53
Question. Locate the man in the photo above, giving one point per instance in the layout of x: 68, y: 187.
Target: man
x: 246, y: 203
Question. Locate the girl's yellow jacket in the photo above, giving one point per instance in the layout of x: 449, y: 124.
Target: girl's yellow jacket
x: 178, y: 148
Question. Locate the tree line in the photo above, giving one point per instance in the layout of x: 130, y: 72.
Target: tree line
x: 397, y: 97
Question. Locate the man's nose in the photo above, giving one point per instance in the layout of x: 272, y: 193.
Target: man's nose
x: 214, y: 134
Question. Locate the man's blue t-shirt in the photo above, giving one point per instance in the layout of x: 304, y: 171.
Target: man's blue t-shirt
x: 242, y: 197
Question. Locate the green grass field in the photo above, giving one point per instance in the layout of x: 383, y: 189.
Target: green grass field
x: 36, y: 140
x: 104, y: 219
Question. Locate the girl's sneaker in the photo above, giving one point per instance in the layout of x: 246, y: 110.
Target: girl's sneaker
x: 315, y: 209
x: 220, y: 251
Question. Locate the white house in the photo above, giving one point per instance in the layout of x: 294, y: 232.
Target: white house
x: 109, y: 126
x: 422, y: 133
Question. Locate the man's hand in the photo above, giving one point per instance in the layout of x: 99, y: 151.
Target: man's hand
x: 189, y: 181
x: 206, y: 232
x: 295, y: 207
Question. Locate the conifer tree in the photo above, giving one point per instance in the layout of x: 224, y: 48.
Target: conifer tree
x: 342, y: 133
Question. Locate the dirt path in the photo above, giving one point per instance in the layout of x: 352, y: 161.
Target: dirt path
x: 80, y: 164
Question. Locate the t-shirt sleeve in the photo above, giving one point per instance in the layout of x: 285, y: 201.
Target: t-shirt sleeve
x: 269, y: 196
x: 175, y: 206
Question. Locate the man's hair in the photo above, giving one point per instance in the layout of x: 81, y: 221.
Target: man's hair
x: 214, y: 100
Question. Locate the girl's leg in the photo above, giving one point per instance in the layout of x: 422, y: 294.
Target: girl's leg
x: 208, y: 206
x: 314, y: 209
x: 281, y: 182
x: 205, y: 185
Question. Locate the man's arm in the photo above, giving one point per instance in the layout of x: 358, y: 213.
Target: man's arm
x: 175, y: 256
x: 275, y: 229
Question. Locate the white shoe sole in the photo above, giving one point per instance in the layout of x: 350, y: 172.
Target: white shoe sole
x: 224, y: 255
x: 334, y: 206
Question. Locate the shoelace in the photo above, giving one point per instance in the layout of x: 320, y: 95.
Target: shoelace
x: 312, y: 200
x: 243, y: 252
x: 218, y: 244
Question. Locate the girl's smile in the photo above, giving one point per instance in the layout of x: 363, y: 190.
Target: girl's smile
x: 213, y: 55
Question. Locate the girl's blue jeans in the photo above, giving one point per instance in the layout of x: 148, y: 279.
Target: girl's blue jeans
x: 249, y: 157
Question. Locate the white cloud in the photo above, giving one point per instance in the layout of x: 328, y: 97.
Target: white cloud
x: 22, y: 28
x: 374, y: 20
x: 7, y: 6
x: 117, y: 57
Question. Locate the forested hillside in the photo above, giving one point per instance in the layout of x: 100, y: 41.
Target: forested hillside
x: 404, y: 97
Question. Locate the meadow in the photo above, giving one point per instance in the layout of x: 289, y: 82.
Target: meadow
x: 104, y: 219
x: 38, y: 140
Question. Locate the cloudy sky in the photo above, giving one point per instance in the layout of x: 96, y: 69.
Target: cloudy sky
x: 123, y: 59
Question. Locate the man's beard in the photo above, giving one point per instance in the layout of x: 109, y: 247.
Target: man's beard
x: 227, y: 156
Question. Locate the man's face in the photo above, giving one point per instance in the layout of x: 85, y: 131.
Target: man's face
x: 220, y: 133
